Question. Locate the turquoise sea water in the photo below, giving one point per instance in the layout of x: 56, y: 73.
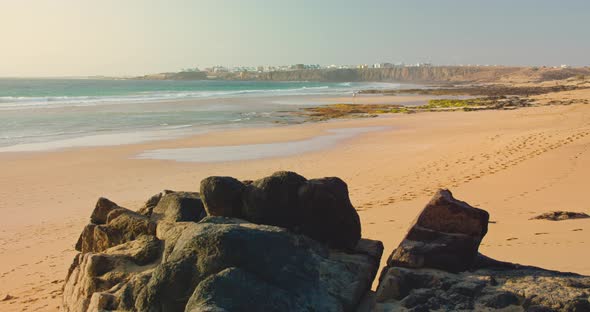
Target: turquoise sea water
x: 37, y: 114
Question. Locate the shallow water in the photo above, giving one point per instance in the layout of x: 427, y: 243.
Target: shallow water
x: 85, y: 112
x: 256, y: 151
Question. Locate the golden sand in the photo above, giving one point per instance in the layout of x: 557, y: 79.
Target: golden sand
x: 515, y: 164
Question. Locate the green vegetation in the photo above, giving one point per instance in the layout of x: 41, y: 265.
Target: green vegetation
x: 455, y: 103
x: 332, y: 111
x: 352, y: 110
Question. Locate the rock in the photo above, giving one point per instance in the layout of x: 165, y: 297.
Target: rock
x: 179, y: 206
x: 328, y: 215
x: 7, y: 297
x: 211, y: 294
x: 299, y: 249
x: 578, y: 305
x: 500, y: 299
x: 222, y: 264
x: 536, y: 308
x: 114, y: 225
x: 446, y: 235
x: 274, y: 200
x: 222, y: 196
x: 92, y: 274
x: 561, y: 215
x: 528, y: 288
x: 437, y: 267
x: 318, y: 208
x: 152, y: 202
x: 102, y: 209
x: 145, y: 249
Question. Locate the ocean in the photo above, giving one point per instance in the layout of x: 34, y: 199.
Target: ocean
x: 44, y: 114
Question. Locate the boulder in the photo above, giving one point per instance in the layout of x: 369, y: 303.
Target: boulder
x: 437, y: 267
x: 274, y: 200
x: 179, y: 206
x: 318, y: 208
x: 489, y: 289
x: 328, y: 214
x: 222, y: 196
x: 93, y: 273
x: 446, y: 235
x: 101, y: 210
x: 152, y: 202
x: 223, y: 264
x: 114, y: 225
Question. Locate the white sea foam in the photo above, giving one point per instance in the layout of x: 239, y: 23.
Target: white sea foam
x: 23, y: 102
x: 11, y: 103
x: 91, y: 120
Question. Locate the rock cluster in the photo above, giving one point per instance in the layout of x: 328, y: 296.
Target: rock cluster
x: 561, y: 215
x: 318, y: 208
x: 438, y: 267
x: 446, y: 236
x: 485, y: 289
x: 285, y: 243
x: 170, y: 256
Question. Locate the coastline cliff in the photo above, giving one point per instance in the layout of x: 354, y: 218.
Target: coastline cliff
x: 425, y: 74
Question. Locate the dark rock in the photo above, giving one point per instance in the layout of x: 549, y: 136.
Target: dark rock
x: 145, y: 249
x: 500, y: 300
x: 179, y: 206
x: 318, y: 208
x: 152, y: 202
x: 115, y: 226
x: 222, y: 196
x: 274, y: 200
x: 578, y: 305
x: 211, y: 294
x: 537, y: 308
x: 102, y: 209
x: 149, y: 205
x: 561, y: 215
x: 469, y: 288
x: 328, y: 214
x: 446, y: 235
x: 439, y: 257
x: 418, y: 297
x: 7, y: 297
x: 222, y: 264
x: 420, y: 308
x: 528, y: 288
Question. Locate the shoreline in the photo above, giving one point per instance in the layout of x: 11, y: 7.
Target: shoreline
x: 288, y: 110
x: 291, y: 105
x: 494, y: 159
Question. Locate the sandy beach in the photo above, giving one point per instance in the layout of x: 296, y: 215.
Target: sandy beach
x: 515, y: 164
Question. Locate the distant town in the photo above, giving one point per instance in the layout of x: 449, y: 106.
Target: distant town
x: 268, y: 69
x: 345, y: 73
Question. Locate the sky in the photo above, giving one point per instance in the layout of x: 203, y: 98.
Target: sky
x: 134, y: 37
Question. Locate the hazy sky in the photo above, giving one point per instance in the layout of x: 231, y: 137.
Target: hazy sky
x: 128, y: 37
